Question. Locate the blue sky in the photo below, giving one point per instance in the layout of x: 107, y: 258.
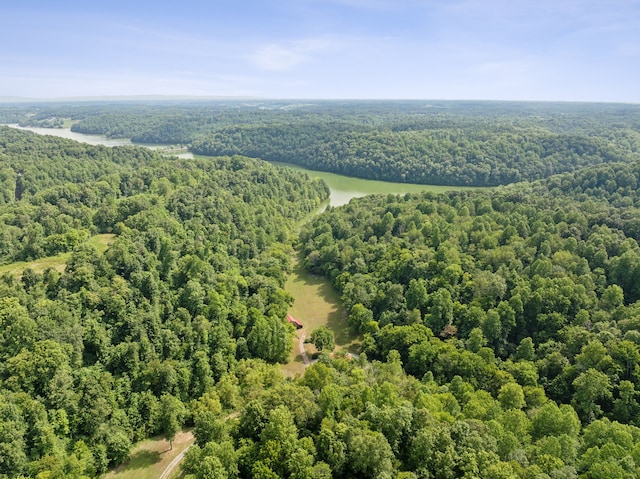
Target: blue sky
x: 425, y: 49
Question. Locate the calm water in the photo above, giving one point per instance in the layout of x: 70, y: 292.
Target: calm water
x: 72, y: 135
x: 94, y: 139
x: 343, y: 188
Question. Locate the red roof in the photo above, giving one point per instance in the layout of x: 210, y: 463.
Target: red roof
x: 294, y: 321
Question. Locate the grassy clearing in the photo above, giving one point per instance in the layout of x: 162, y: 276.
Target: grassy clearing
x: 316, y: 304
x: 58, y: 262
x: 149, y: 458
x: 101, y: 242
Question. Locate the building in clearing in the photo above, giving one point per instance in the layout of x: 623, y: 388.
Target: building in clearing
x: 294, y: 321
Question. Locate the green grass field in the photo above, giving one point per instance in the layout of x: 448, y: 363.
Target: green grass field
x: 101, y: 242
x: 148, y: 459
x: 316, y: 304
x: 58, y: 262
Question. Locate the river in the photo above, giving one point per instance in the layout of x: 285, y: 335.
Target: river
x: 95, y: 139
x: 343, y: 188
x: 72, y: 135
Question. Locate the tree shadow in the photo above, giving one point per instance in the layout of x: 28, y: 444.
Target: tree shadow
x: 354, y: 348
x: 337, y: 322
x: 337, y: 316
x: 298, y: 358
x: 306, y: 277
x: 141, y: 460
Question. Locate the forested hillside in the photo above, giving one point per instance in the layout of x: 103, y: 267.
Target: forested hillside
x: 517, y: 308
x: 440, y: 142
x: 499, y: 329
x: 114, y: 348
x: 453, y: 156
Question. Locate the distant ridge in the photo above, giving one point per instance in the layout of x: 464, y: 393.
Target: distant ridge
x: 15, y: 99
x: 120, y: 98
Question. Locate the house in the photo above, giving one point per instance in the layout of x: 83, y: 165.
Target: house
x: 294, y: 321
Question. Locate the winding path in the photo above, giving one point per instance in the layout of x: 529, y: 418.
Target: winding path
x: 303, y: 353
x: 176, y: 460
x: 173, y: 464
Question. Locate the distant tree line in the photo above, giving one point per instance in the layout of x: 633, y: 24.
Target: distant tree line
x: 451, y: 143
x: 452, y: 156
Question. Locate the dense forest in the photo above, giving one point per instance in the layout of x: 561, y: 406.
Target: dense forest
x: 113, y: 348
x: 518, y: 303
x: 445, y: 143
x: 499, y: 329
x: 453, y: 156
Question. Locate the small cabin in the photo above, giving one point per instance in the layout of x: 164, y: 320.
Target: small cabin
x: 294, y: 321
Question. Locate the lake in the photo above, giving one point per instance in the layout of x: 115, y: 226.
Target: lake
x: 95, y: 139
x: 72, y: 135
x: 343, y: 188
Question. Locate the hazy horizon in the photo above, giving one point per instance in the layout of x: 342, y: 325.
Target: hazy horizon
x: 565, y: 50
x: 204, y: 99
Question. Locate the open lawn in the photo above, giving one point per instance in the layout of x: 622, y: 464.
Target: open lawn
x: 101, y: 242
x: 150, y: 458
x: 58, y: 262
x: 316, y: 304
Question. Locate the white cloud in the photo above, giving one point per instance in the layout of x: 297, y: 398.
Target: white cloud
x: 276, y: 58
x: 283, y: 57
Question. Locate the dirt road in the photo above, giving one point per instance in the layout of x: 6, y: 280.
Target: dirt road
x: 303, y: 353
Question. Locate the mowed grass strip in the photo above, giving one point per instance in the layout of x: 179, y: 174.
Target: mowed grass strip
x: 149, y: 458
x: 57, y: 262
x: 101, y: 242
x: 316, y: 304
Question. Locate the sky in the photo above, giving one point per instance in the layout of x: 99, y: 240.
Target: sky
x: 567, y: 50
